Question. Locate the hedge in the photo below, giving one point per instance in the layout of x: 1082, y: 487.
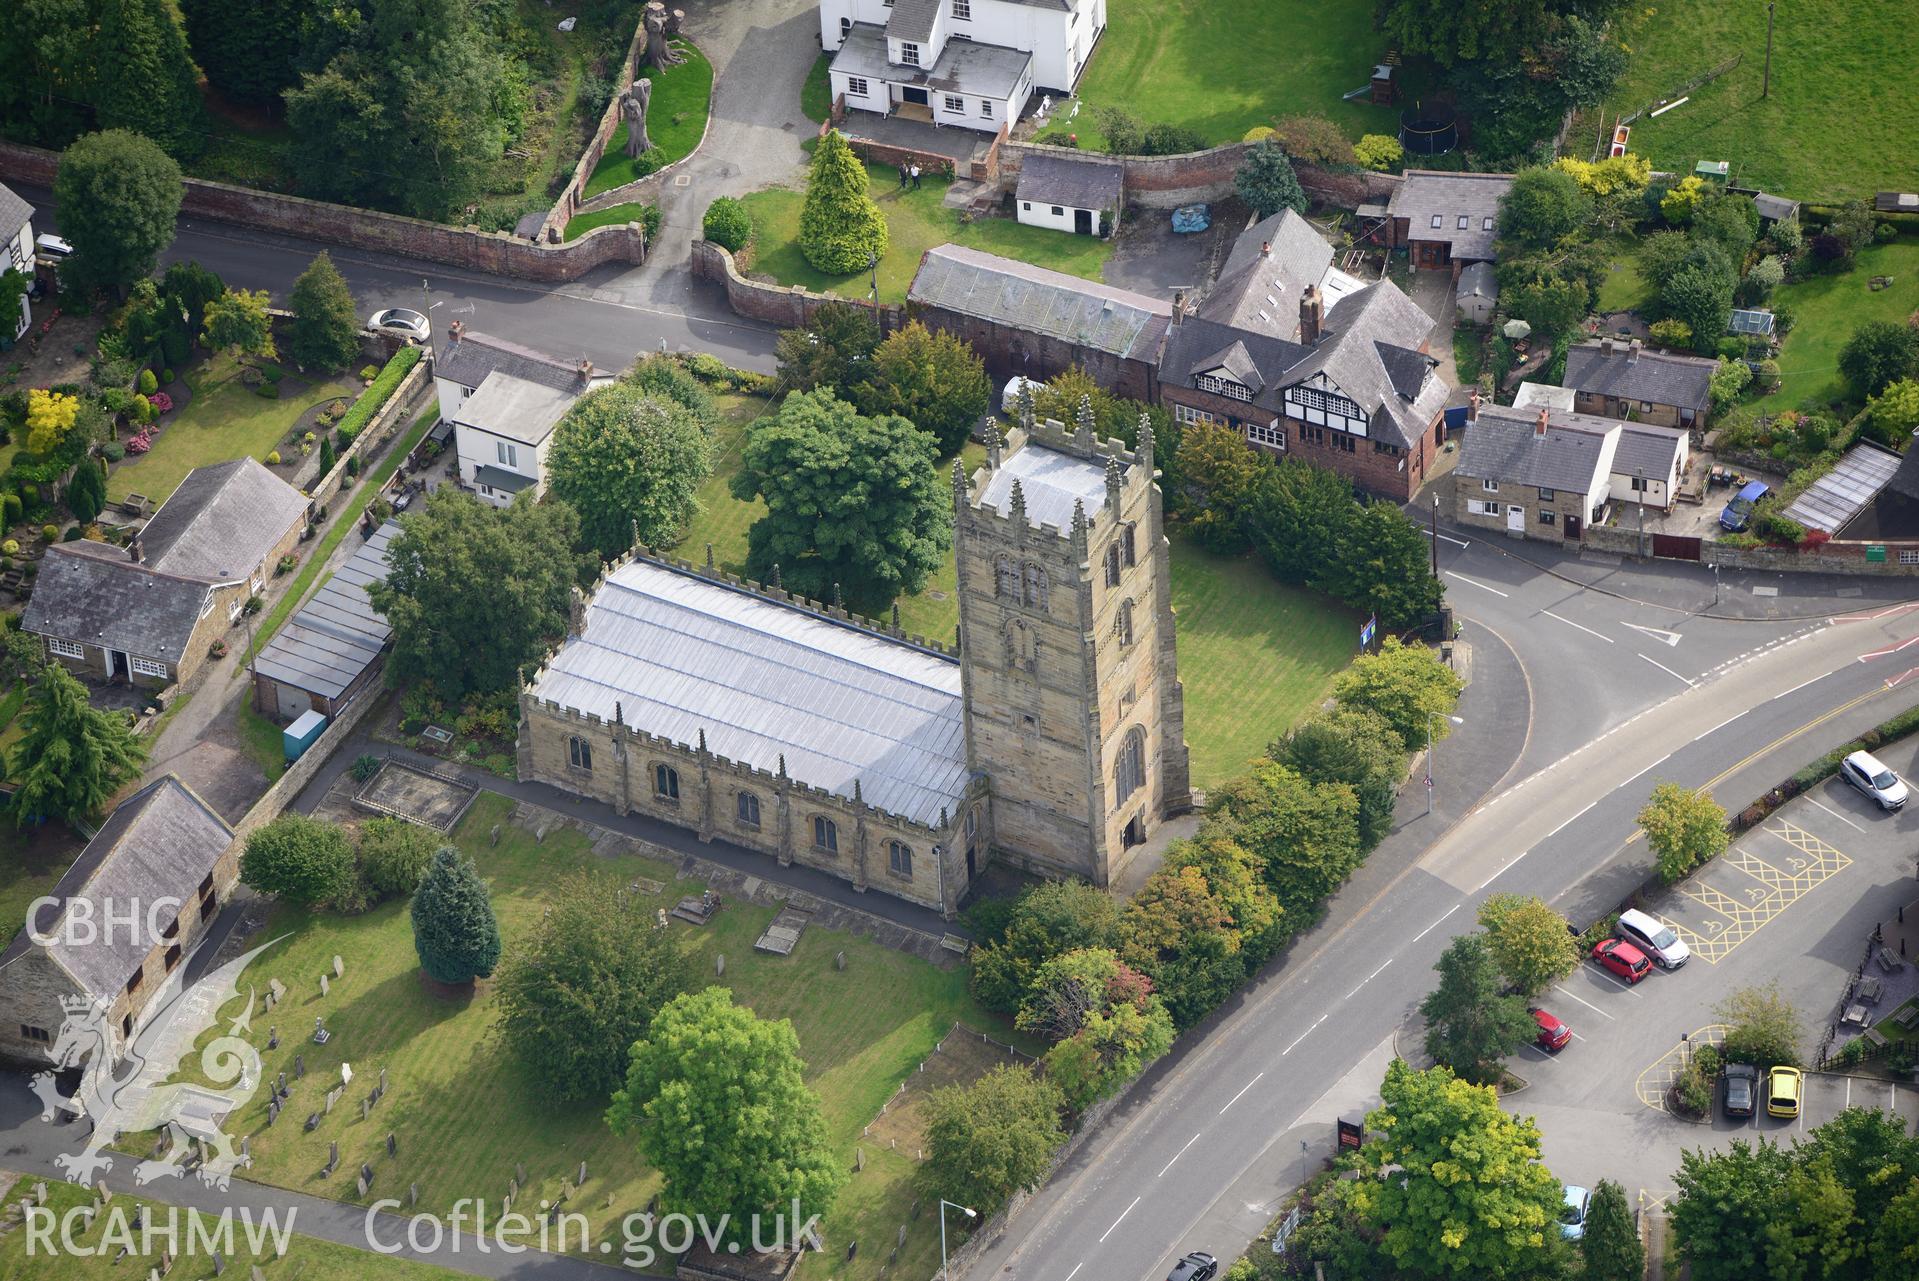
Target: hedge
x: 362, y: 411
x: 1886, y: 731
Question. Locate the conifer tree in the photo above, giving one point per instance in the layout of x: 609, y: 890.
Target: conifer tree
x: 454, y: 929
x: 839, y: 224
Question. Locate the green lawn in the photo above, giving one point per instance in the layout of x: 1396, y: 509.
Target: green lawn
x: 32, y: 859
x: 579, y: 224
x: 1223, y: 66
x: 1841, y: 118
x: 675, y: 121
x: 1254, y: 655
x: 816, y: 95
x: 1625, y: 288
x: 464, y: 1111
x: 1827, y: 308
x: 916, y: 221
x: 263, y: 740
x: 224, y: 419
x: 307, y: 1258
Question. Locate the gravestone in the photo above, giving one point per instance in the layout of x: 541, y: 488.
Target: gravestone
x: 383, y: 1080
x: 323, y: 985
x: 332, y: 1153
x: 333, y: 1096
x: 412, y: 1195
x: 360, y: 1185
x: 581, y: 1177
x: 320, y: 1035
x: 313, y: 1122
x: 273, y: 1038
x: 366, y: 1106
x: 839, y: 960
x: 392, y: 1148
x: 916, y: 1209
x: 279, y: 990
x: 339, y: 968
x: 493, y: 838
x: 246, y: 1150
x: 219, y: 1264
x: 900, y: 1240
x: 299, y: 1066
x: 719, y: 964
x: 519, y: 1172
x: 366, y: 1173
x: 281, y: 1087
x: 256, y: 1274
x: 859, y: 1160
x: 40, y: 1192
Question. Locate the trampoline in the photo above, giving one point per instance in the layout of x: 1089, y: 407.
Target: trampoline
x: 1428, y: 130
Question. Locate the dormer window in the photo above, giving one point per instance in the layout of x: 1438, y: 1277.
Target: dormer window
x: 1223, y: 387
x: 909, y: 53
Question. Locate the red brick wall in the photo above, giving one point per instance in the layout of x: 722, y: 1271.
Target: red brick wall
x: 786, y: 306
x: 1372, y: 471
x: 1166, y: 182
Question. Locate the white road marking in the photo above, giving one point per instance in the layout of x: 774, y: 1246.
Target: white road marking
x: 1657, y: 633
x: 1302, y: 1036
x: 1473, y: 582
x: 1176, y: 1156
x: 1515, y: 858
x: 1242, y: 1093
x: 1656, y: 764
x: 1566, y: 823
x: 1721, y: 725
x: 1801, y: 685
x: 1836, y: 814
x: 1583, y: 1001
x: 1376, y: 973
x: 1116, y: 1222
x: 1075, y: 1271
x: 1581, y: 626
x: 1630, y: 989
x: 1669, y: 671
x: 1890, y: 649
x: 1429, y: 929
x: 1450, y: 539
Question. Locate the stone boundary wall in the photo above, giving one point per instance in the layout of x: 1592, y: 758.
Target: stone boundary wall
x: 1166, y: 182
x: 303, y: 771
x: 783, y: 306
x: 492, y: 252
x: 574, y: 196
x: 1834, y: 557
x: 371, y: 438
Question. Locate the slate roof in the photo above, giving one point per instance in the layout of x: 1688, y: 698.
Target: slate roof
x: 1477, y: 280
x: 222, y: 521
x: 1426, y: 192
x: 1260, y: 291
x: 505, y: 405
x: 337, y: 635
x: 1502, y: 445
x: 1084, y: 312
x: 1196, y: 345
x: 1776, y: 208
x: 1370, y: 349
x: 964, y: 66
x: 1896, y: 202
x: 680, y: 654
x: 1050, y: 481
x: 14, y: 212
x: 1646, y: 449
x: 1652, y: 376
x: 94, y: 593
x: 912, y: 19
x: 1072, y: 184
x: 160, y: 843
x: 1830, y: 502
x: 468, y: 357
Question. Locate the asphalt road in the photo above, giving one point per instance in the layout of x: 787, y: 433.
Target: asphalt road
x: 609, y: 316
x: 1211, y: 1142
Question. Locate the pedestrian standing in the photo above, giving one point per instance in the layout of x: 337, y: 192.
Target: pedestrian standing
x: 916, y: 177
x: 903, y: 175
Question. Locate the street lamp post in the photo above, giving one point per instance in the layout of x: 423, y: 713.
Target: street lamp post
x: 969, y: 1213
x: 1639, y: 482
x: 873, y: 266
x: 1435, y: 537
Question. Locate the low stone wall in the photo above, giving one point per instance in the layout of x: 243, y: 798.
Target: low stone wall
x: 1166, y: 182
x: 784, y: 306
x: 1831, y: 558
x: 397, y: 411
x: 1615, y: 539
x: 290, y: 784
x: 492, y: 252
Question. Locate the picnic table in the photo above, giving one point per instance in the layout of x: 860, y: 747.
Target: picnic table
x: 1870, y: 989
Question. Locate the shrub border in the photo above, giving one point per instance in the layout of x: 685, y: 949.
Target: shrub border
x: 384, y: 385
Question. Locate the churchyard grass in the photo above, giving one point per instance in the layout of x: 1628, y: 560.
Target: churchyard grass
x: 675, y: 121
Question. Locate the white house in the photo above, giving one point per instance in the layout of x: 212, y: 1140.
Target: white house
x: 16, y: 226
x: 502, y: 431
x: 1080, y: 196
x: 469, y: 356
x: 969, y: 63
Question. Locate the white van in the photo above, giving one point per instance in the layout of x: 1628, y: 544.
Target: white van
x: 1654, y: 938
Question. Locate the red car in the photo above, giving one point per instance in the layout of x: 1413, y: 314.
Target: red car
x: 1553, y: 1035
x: 1623, y: 959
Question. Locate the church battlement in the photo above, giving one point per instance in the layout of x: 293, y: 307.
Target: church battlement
x: 1125, y: 469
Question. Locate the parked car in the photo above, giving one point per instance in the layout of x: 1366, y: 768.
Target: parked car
x: 1742, y: 1086
x: 407, y: 324
x: 1197, y: 1266
x: 51, y: 245
x: 1784, y: 1085
x: 1572, y: 1217
x: 1655, y: 938
x: 1865, y: 772
x: 1553, y: 1034
x: 1738, y: 512
x: 1623, y: 959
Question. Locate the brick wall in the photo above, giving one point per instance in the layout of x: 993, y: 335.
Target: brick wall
x: 495, y: 253
x: 1008, y: 351
x: 785, y: 306
x: 397, y: 412
x: 1166, y: 182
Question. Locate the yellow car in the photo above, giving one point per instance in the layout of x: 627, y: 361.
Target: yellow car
x: 1782, y: 1092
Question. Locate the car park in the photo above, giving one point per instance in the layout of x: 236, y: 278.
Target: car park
x: 1742, y: 1086
x: 1865, y: 772
x: 1197, y: 1266
x: 1653, y: 937
x: 1623, y: 959
x: 1553, y: 1034
x: 52, y: 246
x: 1784, y: 1088
x: 402, y: 322
x: 1572, y: 1216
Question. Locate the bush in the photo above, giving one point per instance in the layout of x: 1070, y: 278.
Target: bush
x: 11, y: 547
x: 365, y: 766
x: 148, y: 383
x: 166, y: 376
x: 368, y: 373
x: 379, y: 393
x: 1379, y: 151
x: 49, y: 532
x: 273, y: 458
x: 1672, y: 333
x: 726, y: 223
x: 394, y: 855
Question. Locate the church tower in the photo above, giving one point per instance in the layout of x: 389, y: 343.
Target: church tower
x: 1074, y: 711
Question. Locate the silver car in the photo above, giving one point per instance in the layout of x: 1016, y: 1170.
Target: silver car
x: 407, y: 324
x: 1865, y: 772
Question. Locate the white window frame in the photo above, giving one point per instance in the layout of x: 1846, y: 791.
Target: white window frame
x: 1548, y: 517
x: 1464, y: 222
x: 1230, y: 388
x: 1188, y: 415
x: 1271, y: 435
x: 147, y: 667
x: 65, y: 648
x: 856, y: 86
x: 1490, y: 486
x: 963, y: 10
x: 1486, y: 224
x: 986, y: 108
x: 1439, y: 220
x: 508, y: 454
x: 910, y: 53
x: 954, y: 103
x: 1907, y: 556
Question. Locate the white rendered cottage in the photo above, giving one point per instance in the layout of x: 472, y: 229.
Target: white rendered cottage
x: 971, y: 63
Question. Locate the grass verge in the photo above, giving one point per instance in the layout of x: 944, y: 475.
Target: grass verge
x: 816, y: 94
x: 611, y: 216
x: 675, y: 122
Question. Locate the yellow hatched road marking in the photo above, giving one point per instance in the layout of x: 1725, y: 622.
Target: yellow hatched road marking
x: 1813, y: 863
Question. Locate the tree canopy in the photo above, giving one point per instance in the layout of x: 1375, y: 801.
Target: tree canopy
x: 454, y: 930
x: 1047, y: 921
x: 990, y: 1139
x: 631, y: 464
x: 1470, y: 1023
x: 119, y: 194
x: 1529, y: 941
x: 833, y: 350
x: 930, y: 378
x: 237, y: 320
x: 1542, y: 208
x: 72, y: 757
x: 325, y: 333
x: 839, y: 223
x: 1684, y: 827
x: 1407, y: 685
x: 305, y: 861
x: 1879, y: 353
x: 1266, y: 181
x: 1104, y: 1019
x: 1304, y: 834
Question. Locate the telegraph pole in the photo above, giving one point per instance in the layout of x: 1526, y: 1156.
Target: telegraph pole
x: 1435, y: 536
x: 1765, y: 88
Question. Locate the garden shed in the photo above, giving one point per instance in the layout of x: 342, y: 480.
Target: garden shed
x: 1081, y: 196
x: 1477, y: 293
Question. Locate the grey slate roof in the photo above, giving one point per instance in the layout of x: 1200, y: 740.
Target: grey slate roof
x: 1371, y: 352
x: 1260, y: 291
x: 160, y: 843
x: 94, y: 593
x: 1502, y: 445
x: 1083, y: 312
x: 222, y: 521
x: 1050, y: 481
x: 1477, y: 280
x: 500, y: 478
x: 1776, y: 208
x: 509, y: 406
x: 679, y: 654
x: 1426, y: 192
x: 1849, y: 488
x: 1072, y: 184
x: 912, y: 19
x: 470, y: 357
x: 964, y: 66
x: 337, y: 635
x: 1195, y: 346
x: 14, y: 212
x: 1646, y: 449
x: 1652, y: 376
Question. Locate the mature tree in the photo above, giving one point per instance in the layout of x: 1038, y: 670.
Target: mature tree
x: 394, y: 856
x: 719, y: 1105
x: 1316, y: 140
x: 454, y: 929
x: 22, y: 658
x: 1684, y: 828
x: 631, y: 464
x: 325, y: 332
x: 1554, y: 306
x: 146, y: 80
x: 1895, y: 1237
x: 305, y: 861
x: 1471, y: 1023
x: 1220, y: 475
x: 1049, y: 920
x: 460, y: 639
x: 1727, y: 1203
x: 841, y: 229
x: 1180, y: 934
x: 1726, y: 382
x: 86, y: 493
x: 1305, y: 835
x: 1233, y: 877
x: 1542, y: 208
x: 1407, y: 685
x: 1355, y: 746
x: 1762, y: 1027
x: 1296, y: 514
x: 1819, y: 1234
x: 575, y: 997
x: 990, y: 1139
x: 238, y: 320
x: 51, y: 416
x: 72, y: 757
x: 1529, y: 941
x: 249, y: 49
x: 1266, y: 181
x: 1105, y: 1020
x: 189, y: 288
x: 1383, y: 566
x: 666, y: 377
x: 833, y: 350
x: 45, y: 45
x: 1731, y: 222
x: 1873, y: 1154
x: 118, y: 194
x: 851, y: 501
x: 1456, y: 1188
x: 1610, y: 1249
x: 930, y: 378
x: 1760, y: 280
x: 1878, y: 353
x: 1702, y: 300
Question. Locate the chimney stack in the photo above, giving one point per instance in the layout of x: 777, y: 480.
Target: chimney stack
x: 1312, y: 315
x: 1606, y: 346
x: 1472, y: 407
x: 1539, y: 428
x: 454, y: 330
x: 1265, y: 249
x: 1632, y: 352
x: 135, y: 552
x: 1179, y: 306
x: 586, y: 370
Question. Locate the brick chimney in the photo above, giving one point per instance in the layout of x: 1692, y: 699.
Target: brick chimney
x: 1472, y: 407
x: 454, y: 330
x: 1606, y: 346
x: 1632, y: 352
x: 135, y: 552
x: 1312, y: 315
x: 1179, y: 307
x: 1265, y: 249
x: 1539, y: 427
x: 586, y: 371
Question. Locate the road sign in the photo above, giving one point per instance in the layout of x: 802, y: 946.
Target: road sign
x: 1366, y: 632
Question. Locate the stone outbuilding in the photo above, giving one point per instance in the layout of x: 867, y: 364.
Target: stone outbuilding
x: 1080, y: 196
